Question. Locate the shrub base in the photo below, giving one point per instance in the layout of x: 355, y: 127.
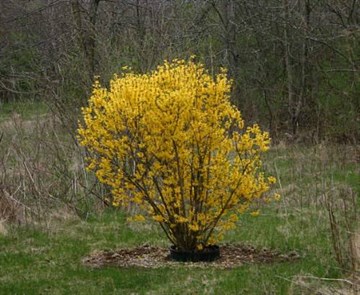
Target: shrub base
x: 209, y: 253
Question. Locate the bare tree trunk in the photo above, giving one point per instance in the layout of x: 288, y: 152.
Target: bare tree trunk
x: 92, y: 36
x: 288, y: 67
x: 230, y: 36
x: 301, y: 101
x: 75, y: 6
x: 87, y: 41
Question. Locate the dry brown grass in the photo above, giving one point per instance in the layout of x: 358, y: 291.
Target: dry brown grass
x: 355, y: 249
x: 3, y: 230
x: 42, y: 170
x: 11, y: 210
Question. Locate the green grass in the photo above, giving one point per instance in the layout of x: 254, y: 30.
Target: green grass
x: 38, y: 260
x: 26, y: 109
x: 45, y: 257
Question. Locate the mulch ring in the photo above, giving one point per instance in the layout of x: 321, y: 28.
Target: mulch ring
x: 146, y: 256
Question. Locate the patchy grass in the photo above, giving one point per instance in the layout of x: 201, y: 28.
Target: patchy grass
x: 44, y: 171
x: 36, y: 261
x: 25, y: 109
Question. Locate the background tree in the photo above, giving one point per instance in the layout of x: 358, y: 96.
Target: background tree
x: 295, y: 64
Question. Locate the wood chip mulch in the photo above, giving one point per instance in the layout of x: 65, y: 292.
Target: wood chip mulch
x: 146, y: 256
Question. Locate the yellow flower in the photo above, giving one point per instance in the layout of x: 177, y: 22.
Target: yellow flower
x: 255, y: 213
x: 277, y: 197
x: 272, y: 179
x: 136, y: 218
x: 194, y: 227
x: 158, y: 218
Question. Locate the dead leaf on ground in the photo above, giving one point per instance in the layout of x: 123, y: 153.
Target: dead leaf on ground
x: 146, y: 256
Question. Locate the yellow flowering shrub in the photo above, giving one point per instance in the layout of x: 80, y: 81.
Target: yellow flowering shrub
x: 171, y: 142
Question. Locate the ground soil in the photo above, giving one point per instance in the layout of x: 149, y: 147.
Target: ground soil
x: 154, y: 257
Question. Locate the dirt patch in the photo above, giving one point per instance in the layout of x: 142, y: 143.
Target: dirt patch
x: 154, y: 257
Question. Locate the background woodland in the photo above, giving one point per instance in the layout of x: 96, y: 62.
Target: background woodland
x: 295, y: 64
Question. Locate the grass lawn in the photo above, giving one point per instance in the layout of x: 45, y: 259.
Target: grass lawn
x: 48, y: 260
x: 44, y: 257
